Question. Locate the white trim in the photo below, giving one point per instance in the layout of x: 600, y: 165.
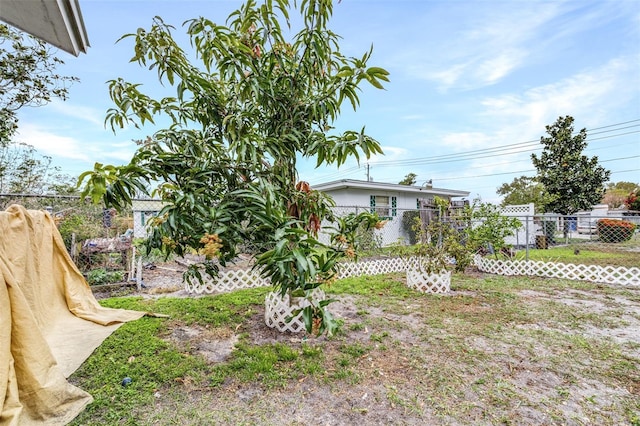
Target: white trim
x: 381, y: 186
x: 57, y: 22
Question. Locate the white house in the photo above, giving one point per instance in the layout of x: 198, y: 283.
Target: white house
x: 389, y: 200
x: 143, y: 210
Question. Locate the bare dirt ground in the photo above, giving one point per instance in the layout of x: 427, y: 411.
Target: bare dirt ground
x: 542, y: 356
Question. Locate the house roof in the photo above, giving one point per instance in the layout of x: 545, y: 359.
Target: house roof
x: 409, y: 189
x: 57, y: 22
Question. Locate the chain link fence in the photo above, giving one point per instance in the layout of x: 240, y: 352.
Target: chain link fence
x: 101, y: 240
x: 608, y: 233
x: 618, y: 231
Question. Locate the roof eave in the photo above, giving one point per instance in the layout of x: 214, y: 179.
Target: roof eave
x: 349, y: 183
x: 57, y: 22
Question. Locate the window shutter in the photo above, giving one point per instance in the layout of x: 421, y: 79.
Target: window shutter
x: 372, y: 203
x: 394, y: 206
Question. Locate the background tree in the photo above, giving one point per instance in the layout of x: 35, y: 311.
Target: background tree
x: 523, y: 190
x: 24, y: 171
x: 572, y: 181
x: 409, y: 179
x: 27, y: 78
x: 250, y: 105
x: 632, y: 201
x: 617, y: 192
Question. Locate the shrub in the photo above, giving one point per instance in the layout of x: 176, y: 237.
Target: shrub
x: 102, y: 276
x: 81, y: 225
x: 615, y: 231
x: 633, y: 200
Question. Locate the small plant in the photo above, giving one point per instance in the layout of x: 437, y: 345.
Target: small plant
x: 439, y: 245
x: 102, y: 276
x: 429, y: 253
x: 489, y: 228
x: 408, y: 220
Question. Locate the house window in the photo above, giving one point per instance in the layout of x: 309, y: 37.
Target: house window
x: 383, y: 205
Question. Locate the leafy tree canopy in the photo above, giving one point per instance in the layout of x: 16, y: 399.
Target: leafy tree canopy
x: 23, y: 171
x: 243, y: 108
x: 27, y: 77
x: 572, y: 181
x: 523, y: 190
x: 409, y: 179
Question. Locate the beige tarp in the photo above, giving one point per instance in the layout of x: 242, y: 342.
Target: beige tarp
x: 50, y: 322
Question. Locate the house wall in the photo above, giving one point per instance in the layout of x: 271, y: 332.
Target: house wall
x: 143, y: 210
x: 357, y: 200
x: 360, y: 197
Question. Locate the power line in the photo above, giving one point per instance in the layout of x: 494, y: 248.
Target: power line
x: 473, y: 154
x: 532, y: 170
x: 503, y: 150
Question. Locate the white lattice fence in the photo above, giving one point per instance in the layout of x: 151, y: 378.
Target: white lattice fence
x: 371, y: 267
x: 279, y: 311
x: 594, y: 273
x: 247, y: 278
x: 227, y: 281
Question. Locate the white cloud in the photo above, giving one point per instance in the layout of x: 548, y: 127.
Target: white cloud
x: 465, y: 141
x: 50, y: 144
x: 70, y: 148
x: 493, y: 69
x: 483, y: 48
x: 69, y: 109
x: 586, y: 96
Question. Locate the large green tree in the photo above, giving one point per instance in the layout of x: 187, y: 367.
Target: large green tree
x: 572, y: 181
x: 28, y: 78
x: 523, y: 190
x: 246, y: 105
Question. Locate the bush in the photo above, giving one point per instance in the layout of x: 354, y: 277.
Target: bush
x: 102, y: 276
x: 82, y: 225
x: 633, y: 200
x: 615, y: 231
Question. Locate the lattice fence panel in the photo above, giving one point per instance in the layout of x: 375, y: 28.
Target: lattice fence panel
x: 227, y: 281
x: 371, y: 267
x: 428, y: 283
x: 247, y: 278
x: 279, y: 311
x: 594, y: 273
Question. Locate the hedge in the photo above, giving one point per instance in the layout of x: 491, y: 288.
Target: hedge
x: 615, y: 231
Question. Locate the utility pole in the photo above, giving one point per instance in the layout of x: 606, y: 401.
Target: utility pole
x: 368, y: 177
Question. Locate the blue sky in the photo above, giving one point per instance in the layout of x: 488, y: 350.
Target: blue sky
x: 473, y: 84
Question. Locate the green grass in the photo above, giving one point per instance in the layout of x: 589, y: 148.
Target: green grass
x: 465, y: 357
x: 585, y: 256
